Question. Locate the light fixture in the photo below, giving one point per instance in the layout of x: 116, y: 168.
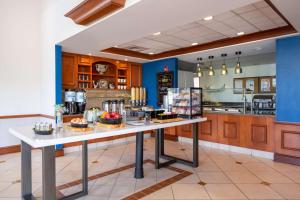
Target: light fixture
x: 224, y: 70
x: 194, y: 43
x: 211, y: 71
x: 199, y: 70
x: 208, y: 18
x: 116, y: 46
x: 156, y: 34
x: 240, y: 33
x: 238, y: 69
x: 151, y: 53
x: 126, y: 59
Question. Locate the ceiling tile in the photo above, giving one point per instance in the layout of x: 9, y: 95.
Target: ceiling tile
x: 245, y: 9
x: 261, y: 4
x: 225, y: 16
x: 177, y: 42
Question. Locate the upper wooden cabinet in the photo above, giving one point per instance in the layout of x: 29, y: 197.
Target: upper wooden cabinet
x: 84, y: 60
x: 136, y: 75
x: 69, y: 70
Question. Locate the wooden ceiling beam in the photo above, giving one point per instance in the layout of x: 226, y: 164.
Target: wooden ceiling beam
x: 91, y: 10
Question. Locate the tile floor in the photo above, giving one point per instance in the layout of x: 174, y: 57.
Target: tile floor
x: 220, y: 175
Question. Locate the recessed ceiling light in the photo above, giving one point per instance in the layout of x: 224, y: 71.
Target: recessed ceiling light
x: 240, y: 33
x: 151, y: 53
x: 89, y: 54
x: 116, y: 46
x: 157, y: 33
x: 126, y: 59
x: 194, y: 43
x: 208, y: 18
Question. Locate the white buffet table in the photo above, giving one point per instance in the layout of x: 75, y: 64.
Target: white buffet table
x: 30, y: 140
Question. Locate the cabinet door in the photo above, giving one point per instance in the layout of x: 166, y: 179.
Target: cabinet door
x: 229, y: 129
x: 258, y: 132
x: 136, y: 75
x: 170, y: 131
x: 208, y: 130
x: 69, y: 70
x: 287, y: 139
x: 185, y: 131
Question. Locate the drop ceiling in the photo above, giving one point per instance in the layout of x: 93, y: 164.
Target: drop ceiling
x: 252, y: 18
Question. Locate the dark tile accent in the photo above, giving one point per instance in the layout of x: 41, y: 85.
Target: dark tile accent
x: 265, y: 183
x: 202, y: 183
x: 96, y: 161
x: 138, y: 195
x: 238, y: 162
x: 2, y: 161
x: 16, y: 181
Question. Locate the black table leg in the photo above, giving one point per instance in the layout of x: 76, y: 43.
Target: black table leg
x: 48, y: 165
x: 26, y: 176
x: 172, y: 159
x: 139, y: 171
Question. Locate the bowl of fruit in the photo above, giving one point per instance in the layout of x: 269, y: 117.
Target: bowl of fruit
x: 111, y: 118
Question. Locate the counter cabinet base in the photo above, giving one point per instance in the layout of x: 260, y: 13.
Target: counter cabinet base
x: 49, y: 173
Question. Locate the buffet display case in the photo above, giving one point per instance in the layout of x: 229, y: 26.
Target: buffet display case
x: 186, y: 102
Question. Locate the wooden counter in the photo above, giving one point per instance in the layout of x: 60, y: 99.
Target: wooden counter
x: 250, y: 131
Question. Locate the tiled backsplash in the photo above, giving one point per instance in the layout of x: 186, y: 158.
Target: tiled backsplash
x: 95, y: 98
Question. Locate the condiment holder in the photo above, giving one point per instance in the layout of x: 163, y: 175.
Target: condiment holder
x: 41, y: 128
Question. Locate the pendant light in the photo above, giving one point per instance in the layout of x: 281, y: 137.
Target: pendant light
x: 224, y: 70
x: 211, y: 71
x: 238, y: 69
x: 199, y: 70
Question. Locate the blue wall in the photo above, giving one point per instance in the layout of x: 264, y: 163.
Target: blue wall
x: 58, y: 74
x: 150, y: 71
x: 288, y: 79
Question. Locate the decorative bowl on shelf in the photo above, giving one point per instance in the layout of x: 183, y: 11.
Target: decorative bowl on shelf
x: 101, y: 68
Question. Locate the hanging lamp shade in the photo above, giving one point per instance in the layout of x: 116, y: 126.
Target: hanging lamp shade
x: 211, y: 71
x: 199, y: 70
x: 224, y: 70
x: 238, y: 68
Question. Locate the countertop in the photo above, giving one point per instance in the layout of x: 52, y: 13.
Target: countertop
x: 242, y: 114
x: 63, y: 136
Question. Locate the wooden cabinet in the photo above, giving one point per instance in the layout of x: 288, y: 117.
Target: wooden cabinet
x: 69, y: 70
x: 287, y: 139
x: 170, y: 131
x: 136, y: 75
x: 84, y: 60
x: 257, y: 132
x: 184, y: 131
x: 229, y: 129
x: 208, y: 130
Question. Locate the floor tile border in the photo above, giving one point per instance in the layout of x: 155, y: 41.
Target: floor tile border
x: 137, y: 195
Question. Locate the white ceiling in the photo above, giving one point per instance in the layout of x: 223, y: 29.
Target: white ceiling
x: 143, y: 18
x: 258, y: 16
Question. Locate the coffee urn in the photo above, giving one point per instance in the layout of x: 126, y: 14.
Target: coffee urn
x: 70, y: 104
x: 80, y: 101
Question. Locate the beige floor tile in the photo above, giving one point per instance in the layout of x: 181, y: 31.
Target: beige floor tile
x: 242, y: 177
x: 213, y: 177
x: 122, y: 191
x: 257, y: 166
x: 224, y: 191
x: 101, y: 190
x: 207, y: 166
x: 272, y: 177
x: 295, y: 176
x: 189, y: 191
x: 144, y: 183
x: 231, y: 166
x: 162, y: 194
x: 288, y: 191
x: 190, y: 179
x: 258, y: 191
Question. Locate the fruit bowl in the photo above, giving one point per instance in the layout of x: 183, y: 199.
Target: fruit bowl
x: 111, y: 121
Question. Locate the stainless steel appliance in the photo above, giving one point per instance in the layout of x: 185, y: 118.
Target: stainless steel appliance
x: 264, y: 104
x: 114, y: 105
x: 80, y: 100
x: 106, y: 105
x: 70, y: 97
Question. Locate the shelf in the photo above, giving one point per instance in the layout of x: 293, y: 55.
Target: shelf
x: 84, y: 73
x: 84, y: 65
x: 122, y: 83
x: 122, y: 76
x: 83, y: 81
x: 104, y: 75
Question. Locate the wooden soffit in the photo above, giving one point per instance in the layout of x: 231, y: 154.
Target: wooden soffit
x: 91, y: 10
x: 285, y: 30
